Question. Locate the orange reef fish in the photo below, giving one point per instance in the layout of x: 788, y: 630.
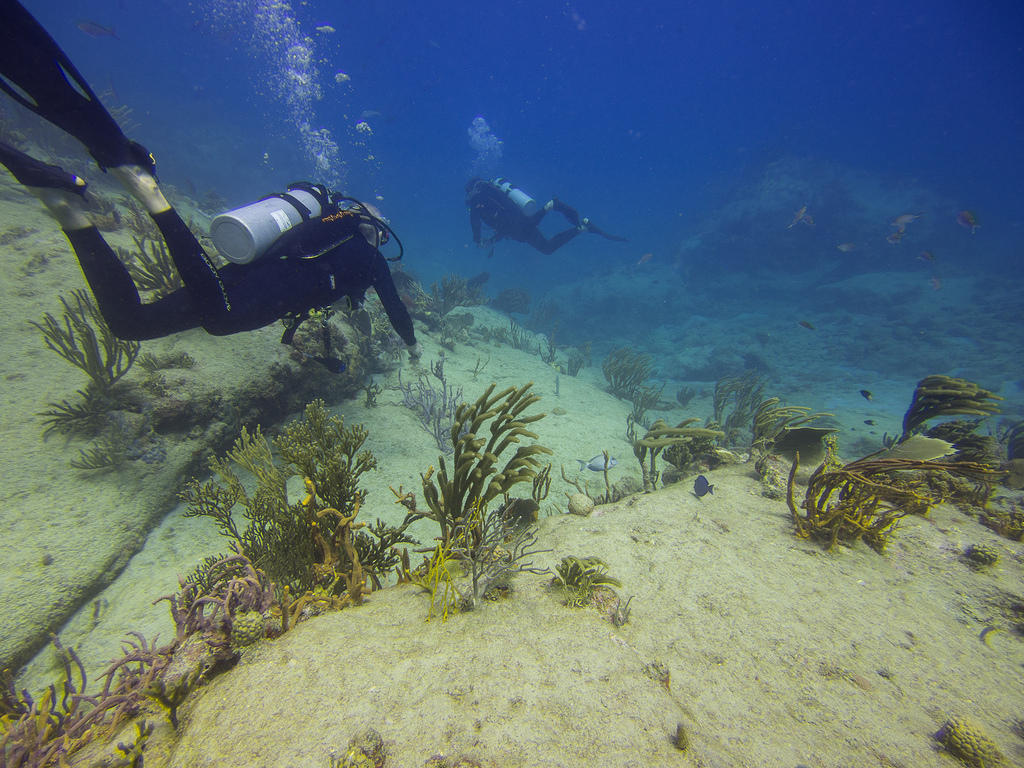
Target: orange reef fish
x: 926, y: 256
x: 846, y: 247
x: 907, y: 218
x: 935, y: 283
x: 895, y: 237
x: 644, y: 259
x: 801, y: 217
x: 966, y: 220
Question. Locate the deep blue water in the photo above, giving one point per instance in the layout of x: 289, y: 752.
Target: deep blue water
x: 658, y: 120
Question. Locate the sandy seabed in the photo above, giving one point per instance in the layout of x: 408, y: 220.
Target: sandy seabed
x: 768, y: 650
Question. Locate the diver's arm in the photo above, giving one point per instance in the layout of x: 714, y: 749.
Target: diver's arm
x: 399, y: 316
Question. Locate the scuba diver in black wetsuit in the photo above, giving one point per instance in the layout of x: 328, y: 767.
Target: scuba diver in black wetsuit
x: 334, y: 253
x: 514, y: 215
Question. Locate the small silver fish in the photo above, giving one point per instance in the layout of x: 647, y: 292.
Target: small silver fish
x: 596, y: 464
x: 701, y: 487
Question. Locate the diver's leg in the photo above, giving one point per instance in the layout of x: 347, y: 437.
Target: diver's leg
x: 549, y: 246
x: 570, y: 213
x: 583, y: 224
x: 36, y: 73
x: 193, y: 263
x: 116, y: 294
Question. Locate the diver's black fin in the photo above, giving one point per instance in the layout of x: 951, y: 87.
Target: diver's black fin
x: 589, y: 226
x: 36, y: 73
x: 34, y: 173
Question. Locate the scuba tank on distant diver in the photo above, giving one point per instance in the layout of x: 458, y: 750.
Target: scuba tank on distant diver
x: 247, y: 233
x: 523, y: 201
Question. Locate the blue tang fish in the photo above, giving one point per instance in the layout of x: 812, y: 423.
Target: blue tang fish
x: 701, y: 487
x: 596, y: 464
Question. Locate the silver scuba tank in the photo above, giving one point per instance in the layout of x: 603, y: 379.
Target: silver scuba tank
x: 244, y: 234
x: 525, y: 203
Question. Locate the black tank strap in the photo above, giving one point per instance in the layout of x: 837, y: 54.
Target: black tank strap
x: 304, y: 212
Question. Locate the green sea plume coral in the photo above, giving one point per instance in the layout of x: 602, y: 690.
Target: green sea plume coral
x: 966, y: 740
x: 481, y: 433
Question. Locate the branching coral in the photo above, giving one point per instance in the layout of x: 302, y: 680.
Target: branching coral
x: 307, y: 544
x: 152, y: 267
x: 946, y: 396
x: 745, y: 393
x: 475, y: 477
x: 661, y: 436
x: 48, y: 730
x: 434, y: 403
x: 492, y: 549
x: 866, y: 499
x: 83, y: 338
x: 626, y: 371
x: 772, y: 421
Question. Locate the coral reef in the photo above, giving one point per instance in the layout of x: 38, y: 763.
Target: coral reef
x: 365, y: 750
x: 1005, y: 517
x: 511, y: 300
x: 981, y: 555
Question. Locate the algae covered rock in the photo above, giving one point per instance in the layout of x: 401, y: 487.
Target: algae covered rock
x: 580, y: 504
x: 965, y: 739
x: 365, y: 750
x: 981, y: 555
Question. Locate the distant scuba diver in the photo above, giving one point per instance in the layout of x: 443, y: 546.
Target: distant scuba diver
x: 512, y: 214
x: 329, y: 249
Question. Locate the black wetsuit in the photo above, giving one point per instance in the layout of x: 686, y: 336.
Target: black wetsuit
x: 489, y: 205
x: 235, y: 297
x: 38, y: 75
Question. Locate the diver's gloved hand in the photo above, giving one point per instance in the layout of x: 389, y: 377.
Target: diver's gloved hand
x: 415, y: 352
